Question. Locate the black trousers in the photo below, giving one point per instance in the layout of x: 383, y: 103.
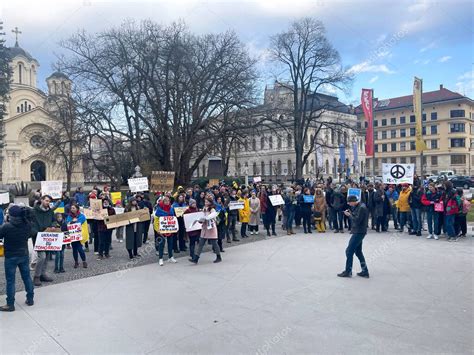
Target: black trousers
x: 306, y: 220
x: 105, y: 239
x: 355, y: 247
x: 146, y: 228
x: 193, y: 240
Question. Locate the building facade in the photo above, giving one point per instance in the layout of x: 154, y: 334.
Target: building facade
x: 27, y: 118
x: 448, y: 130
x: 270, y: 153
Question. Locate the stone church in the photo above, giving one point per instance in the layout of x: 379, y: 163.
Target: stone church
x: 26, y: 119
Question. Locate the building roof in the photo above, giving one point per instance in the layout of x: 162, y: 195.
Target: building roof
x: 440, y: 95
x: 18, y: 51
x: 330, y: 103
x: 58, y: 75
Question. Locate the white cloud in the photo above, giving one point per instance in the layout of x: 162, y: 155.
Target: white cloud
x: 427, y: 61
x: 430, y: 45
x: 444, y: 59
x: 367, y: 67
x: 465, y: 83
x: 374, y: 79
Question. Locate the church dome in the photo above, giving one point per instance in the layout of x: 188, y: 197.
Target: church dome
x: 58, y: 75
x: 18, y: 51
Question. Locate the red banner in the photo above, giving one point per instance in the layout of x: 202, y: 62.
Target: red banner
x: 367, y: 106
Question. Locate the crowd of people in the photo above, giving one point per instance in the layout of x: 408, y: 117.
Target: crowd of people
x: 315, y: 207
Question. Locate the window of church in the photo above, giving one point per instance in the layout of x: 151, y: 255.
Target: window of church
x: 20, y: 69
x: 38, y: 141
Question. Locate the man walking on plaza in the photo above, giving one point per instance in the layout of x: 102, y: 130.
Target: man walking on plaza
x: 15, y: 236
x: 358, y: 215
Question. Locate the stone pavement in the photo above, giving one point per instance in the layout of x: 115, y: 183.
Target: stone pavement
x: 275, y: 296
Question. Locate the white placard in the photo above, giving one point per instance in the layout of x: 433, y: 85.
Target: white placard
x: 138, y: 184
x: 4, y: 198
x: 236, y: 205
x: 276, y: 200
x: 257, y: 179
x: 168, y: 224
x: 47, y: 241
x: 119, y: 210
x: 398, y: 173
x: 52, y: 188
x: 189, y: 219
x: 75, y: 232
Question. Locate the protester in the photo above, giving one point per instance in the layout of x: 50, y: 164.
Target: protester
x: 290, y: 210
x: 244, y: 214
x: 429, y: 199
x: 338, y: 203
x: 319, y: 210
x: 220, y: 220
x: 59, y: 257
x: 392, y: 196
x: 193, y: 236
x: 15, y: 234
x: 231, y: 217
x: 119, y: 230
x: 75, y: 216
x: 133, y: 231
x: 254, y: 212
x: 164, y: 209
x: 305, y: 209
x: 208, y: 231
x: 105, y: 234
x: 452, y: 204
x: 179, y: 243
x: 415, y: 207
x: 403, y: 205
x: 358, y: 214
x: 379, y: 201
x: 461, y: 217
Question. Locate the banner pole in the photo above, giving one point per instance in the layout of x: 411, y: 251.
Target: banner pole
x: 373, y: 134
x: 421, y: 118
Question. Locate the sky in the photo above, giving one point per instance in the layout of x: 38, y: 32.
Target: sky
x: 383, y: 43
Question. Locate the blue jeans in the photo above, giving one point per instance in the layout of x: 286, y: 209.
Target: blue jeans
x: 416, y: 219
x: 449, y: 225
x: 59, y: 260
x: 338, y: 220
x: 432, y: 218
x: 77, y: 249
x: 403, y: 219
x: 290, y: 217
x: 23, y: 263
x: 160, y: 245
x: 355, y: 246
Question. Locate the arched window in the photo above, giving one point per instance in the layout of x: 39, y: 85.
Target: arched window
x: 239, y: 168
x: 22, y: 109
x: 203, y: 170
x: 333, y: 136
x: 270, y: 142
x: 289, y: 167
x: 362, y: 167
x: 20, y: 73
x: 345, y: 139
x: 246, y: 146
x: 254, y: 144
x: 338, y: 138
x: 254, y: 168
x: 279, y: 167
x: 262, y: 166
x: 306, y: 167
x: 271, y: 167
x: 279, y: 142
x: 312, y: 165
x: 18, y: 109
x: 327, y: 167
x: 311, y: 137
x: 29, y: 107
x: 262, y: 143
x: 290, y: 140
x: 334, y: 167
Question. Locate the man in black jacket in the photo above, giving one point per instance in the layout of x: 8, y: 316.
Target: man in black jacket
x: 15, y: 236
x: 358, y: 216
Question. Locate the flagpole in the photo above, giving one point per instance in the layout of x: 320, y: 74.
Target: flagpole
x: 373, y: 135
x: 421, y: 109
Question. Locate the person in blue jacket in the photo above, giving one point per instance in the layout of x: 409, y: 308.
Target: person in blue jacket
x: 179, y: 243
x: 392, y: 197
x: 163, y: 209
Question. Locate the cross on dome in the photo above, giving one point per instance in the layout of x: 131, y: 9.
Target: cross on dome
x: 16, y: 31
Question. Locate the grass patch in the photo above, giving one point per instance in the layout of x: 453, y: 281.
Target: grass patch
x: 470, y: 215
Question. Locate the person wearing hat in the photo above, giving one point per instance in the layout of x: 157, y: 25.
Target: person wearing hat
x: 358, y: 214
x: 15, y: 234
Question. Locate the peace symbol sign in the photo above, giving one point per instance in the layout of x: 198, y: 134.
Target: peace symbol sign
x: 397, y: 171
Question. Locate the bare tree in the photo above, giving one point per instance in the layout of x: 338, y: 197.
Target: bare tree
x: 310, y: 64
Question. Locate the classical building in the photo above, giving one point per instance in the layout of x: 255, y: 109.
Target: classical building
x: 26, y: 119
x: 271, y: 154
x: 448, y: 130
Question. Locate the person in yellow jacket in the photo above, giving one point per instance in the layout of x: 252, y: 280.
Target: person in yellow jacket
x: 403, y: 205
x: 244, y: 214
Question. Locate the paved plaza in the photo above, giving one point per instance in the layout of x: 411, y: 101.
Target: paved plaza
x: 272, y: 296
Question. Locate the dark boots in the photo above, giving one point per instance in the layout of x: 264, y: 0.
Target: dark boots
x: 345, y: 274
x: 218, y: 259
x: 194, y: 259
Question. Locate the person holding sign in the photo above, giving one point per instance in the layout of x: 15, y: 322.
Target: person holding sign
x: 254, y: 213
x: 15, y: 234
x: 306, y: 201
x: 244, y: 214
x: 59, y: 257
x: 179, y: 207
x: 164, y: 209
x: 208, y: 231
x: 359, y: 217
x: 43, y: 220
x: 192, y: 235
x: 75, y: 216
x: 105, y: 235
x: 133, y: 231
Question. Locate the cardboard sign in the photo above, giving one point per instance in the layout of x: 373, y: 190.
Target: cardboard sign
x: 276, y: 200
x: 138, y: 184
x: 398, y: 173
x: 168, y: 225
x: 257, y: 179
x: 4, y: 198
x: 355, y: 192
x: 46, y: 241
x: 52, y: 188
x: 95, y: 211
x: 236, y: 205
x: 75, y: 232
x: 116, y: 197
x: 127, y: 218
x: 119, y: 210
x: 213, y: 182
x: 308, y: 198
x: 179, y: 211
x: 191, y: 221
x: 162, y: 181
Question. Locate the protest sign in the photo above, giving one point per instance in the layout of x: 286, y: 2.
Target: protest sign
x: 276, y: 200
x: 66, y: 239
x: 236, y: 205
x: 398, y: 173
x: 213, y: 182
x: 52, y: 188
x: 116, y: 197
x: 308, y: 198
x: 257, y: 179
x: 355, y: 192
x: 75, y: 232
x: 138, y: 184
x: 95, y: 211
x: 46, y: 241
x: 127, y: 218
x: 4, y: 198
x: 119, y: 210
x: 179, y: 211
x: 162, y: 180
x: 191, y: 221
x: 168, y: 225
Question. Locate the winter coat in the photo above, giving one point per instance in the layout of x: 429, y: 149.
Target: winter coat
x: 101, y: 226
x: 337, y: 201
x: 379, y: 199
x: 80, y: 198
x: 320, y: 203
x: 359, y: 216
x: 15, y: 236
x: 254, y: 204
x: 392, y: 197
x: 402, y: 203
x: 244, y: 213
x: 415, y: 199
x: 305, y: 207
x: 130, y: 230
x: 263, y: 201
x: 209, y: 226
